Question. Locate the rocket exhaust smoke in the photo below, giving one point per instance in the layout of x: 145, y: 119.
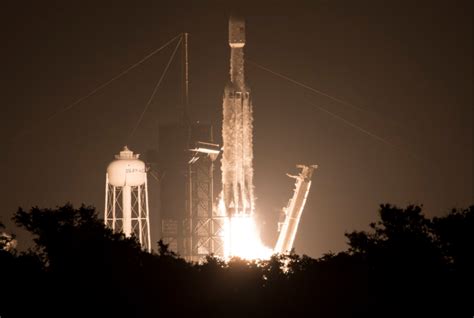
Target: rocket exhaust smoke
x: 237, y: 198
x: 237, y: 170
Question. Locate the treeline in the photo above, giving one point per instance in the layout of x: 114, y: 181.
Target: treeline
x: 407, y: 265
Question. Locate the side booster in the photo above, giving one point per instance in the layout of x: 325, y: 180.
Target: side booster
x: 237, y: 130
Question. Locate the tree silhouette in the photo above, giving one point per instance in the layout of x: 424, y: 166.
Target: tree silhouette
x: 405, y: 265
x: 454, y: 235
x: 407, y: 257
x: 455, y: 238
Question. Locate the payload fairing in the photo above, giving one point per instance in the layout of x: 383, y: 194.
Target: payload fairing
x: 237, y: 130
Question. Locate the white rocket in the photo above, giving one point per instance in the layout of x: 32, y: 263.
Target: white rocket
x: 237, y: 130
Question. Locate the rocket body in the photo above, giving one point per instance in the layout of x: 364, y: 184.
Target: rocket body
x: 237, y: 130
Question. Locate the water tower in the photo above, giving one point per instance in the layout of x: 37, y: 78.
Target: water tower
x: 126, y: 197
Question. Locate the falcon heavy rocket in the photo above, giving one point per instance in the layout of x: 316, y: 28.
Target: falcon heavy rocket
x: 237, y: 130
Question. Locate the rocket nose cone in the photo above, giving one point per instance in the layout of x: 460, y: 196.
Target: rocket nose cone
x: 235, y: 19
x: 236, y: 31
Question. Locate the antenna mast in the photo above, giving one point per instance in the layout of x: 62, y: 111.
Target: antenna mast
x: 185, y: 118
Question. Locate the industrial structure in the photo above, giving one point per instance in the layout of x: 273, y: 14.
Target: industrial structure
x: 194, y: 221
x: 126, y: 197
x: 190, y: 224
x: 294, y: 210
x: 204, y: 225
x: 187, y: 153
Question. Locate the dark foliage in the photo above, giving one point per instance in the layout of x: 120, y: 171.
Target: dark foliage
x: 407, y: 265
x: 417, y: 263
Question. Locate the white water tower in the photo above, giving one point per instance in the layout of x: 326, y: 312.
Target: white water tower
x: 126, y: 197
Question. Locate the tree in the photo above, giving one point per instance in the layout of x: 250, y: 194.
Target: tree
x: 405, y: 265
x: 85, y: 264
x: 454, y: 236
x: 409, y: 255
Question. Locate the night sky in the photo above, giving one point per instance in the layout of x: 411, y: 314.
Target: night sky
x: 407, y: 64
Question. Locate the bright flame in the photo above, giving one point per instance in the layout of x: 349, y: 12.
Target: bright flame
x: 242, y: 238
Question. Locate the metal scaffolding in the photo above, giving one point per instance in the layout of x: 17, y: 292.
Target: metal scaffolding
x: 203, y: 227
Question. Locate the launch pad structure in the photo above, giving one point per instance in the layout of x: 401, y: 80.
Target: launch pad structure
x: 190, y: 223
x: 197, y: 229
x: 293, y: 211
x: 204, y: 225
x: 194, y: 221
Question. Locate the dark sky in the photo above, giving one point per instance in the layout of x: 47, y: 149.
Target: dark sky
x: 407, y: 63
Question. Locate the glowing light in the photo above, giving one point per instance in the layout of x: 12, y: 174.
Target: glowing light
x: 242, y: 237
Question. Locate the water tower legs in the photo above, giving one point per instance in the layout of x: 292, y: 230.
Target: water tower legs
x: 126, y: 197
x: 127, y: 210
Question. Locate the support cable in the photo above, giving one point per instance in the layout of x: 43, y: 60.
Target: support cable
x: 381, y: 139
x: 347, y: 122
x: 134, y: 129
x: 97, y: 89
x: 314, y: 90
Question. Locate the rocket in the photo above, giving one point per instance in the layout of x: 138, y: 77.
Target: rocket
x: 237, y: 130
